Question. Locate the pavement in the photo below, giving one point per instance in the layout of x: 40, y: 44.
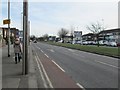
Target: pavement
x: 12, y: 76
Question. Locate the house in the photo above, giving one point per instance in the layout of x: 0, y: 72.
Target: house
x: 67, y: 39
x: 13, y: 33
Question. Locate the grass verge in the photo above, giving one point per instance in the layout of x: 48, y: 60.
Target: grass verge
x: 102, y: 50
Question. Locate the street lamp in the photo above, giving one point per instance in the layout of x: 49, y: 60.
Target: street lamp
x: 25, y: 37
x: 22, y: 21
x: 9, y: 28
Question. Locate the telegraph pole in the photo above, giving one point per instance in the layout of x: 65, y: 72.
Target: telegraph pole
x: 25, y: 37
x: 9, y: 28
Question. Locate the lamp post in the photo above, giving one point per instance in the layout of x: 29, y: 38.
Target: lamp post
x: 25, y: 37
x: 22, y: 21
x: 103, y: 29
x: 9, y: 28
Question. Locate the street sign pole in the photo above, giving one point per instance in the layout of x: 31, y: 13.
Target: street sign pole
x: 9, y: 28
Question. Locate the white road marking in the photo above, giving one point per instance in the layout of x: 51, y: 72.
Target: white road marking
x: 41, y: 73
x: 79, y: 55
x: 38, y: 47
x: 13, y: 57
x: 106, y: 64
x: 46, y: 55
x: 42, y: 51
x: 71, y: 50
x: 52, y: 50
x: 58, y: 66
x: 49, y: 82
x: 80, y: 86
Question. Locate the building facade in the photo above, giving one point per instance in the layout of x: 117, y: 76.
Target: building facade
x: 110, y: 35
x: 21, y: 36
x: 89, y: 37
x: 4, y: 33
x: 77, y: 36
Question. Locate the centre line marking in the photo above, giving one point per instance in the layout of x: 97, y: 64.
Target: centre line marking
x: 80, y: 86
x: 58, y: 66
x: 71, y: 50
x: 52, y: 50
x: 42, y: 51
x: 38, y: 47
x: 46, y: 55
x: 106, y: 64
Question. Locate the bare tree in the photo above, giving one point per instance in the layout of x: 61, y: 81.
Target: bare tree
x: 62, y: 33
x: 96, y: 28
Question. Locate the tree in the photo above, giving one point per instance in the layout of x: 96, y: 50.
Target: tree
x: 32, y: 37
x: 40, y: 39
x: 62, y: 33
x: 45, y: 36
x: 95, y: 28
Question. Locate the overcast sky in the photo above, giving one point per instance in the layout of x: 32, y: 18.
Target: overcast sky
x: 49, y: 17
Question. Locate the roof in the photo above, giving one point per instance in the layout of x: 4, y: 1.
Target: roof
x: 10, y: 28
x: 89, y: 34
x: 111, y: 30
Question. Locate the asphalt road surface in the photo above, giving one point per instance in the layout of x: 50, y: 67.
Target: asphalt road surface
x: 86, y: 70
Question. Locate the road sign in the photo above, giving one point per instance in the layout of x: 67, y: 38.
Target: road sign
x: 7, y: 21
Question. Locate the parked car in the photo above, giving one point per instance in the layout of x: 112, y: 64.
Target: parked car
x: 90, y: 42
x: 85, y: 42
x: 94, y: 43
x: 61, y: 41
x: 106, y: 43
x: 79, y: 42
x: 114, y: 44
x: 101, y: 42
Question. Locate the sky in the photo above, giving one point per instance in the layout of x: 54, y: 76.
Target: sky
x: 49, y: 17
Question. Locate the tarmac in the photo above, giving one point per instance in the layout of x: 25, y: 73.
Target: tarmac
x: 12, y: 75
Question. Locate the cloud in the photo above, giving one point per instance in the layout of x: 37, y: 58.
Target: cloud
x: 76, y: 14
x: 49, y: 17
x: 15, y: 13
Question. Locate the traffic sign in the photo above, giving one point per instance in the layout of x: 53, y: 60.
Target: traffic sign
x: 7, y: 21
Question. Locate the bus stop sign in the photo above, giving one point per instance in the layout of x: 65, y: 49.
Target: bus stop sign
x: 7, y: 21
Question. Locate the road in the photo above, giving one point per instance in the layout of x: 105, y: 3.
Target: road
x: 86, y: 70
